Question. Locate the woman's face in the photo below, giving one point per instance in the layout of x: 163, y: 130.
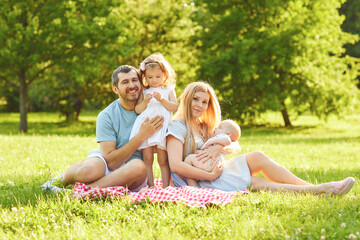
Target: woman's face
x: 199, y: 104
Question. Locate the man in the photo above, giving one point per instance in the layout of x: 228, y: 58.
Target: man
x: 117, y: 162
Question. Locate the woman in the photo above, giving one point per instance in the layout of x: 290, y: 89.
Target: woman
x: 198, y: 115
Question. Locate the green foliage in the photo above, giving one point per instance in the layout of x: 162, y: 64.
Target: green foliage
x: 275, y: 55
x: 351, y: 10
x: 152, y: 26
x: 72, y: 50
x: 314, y: 150
x: 38, y: 35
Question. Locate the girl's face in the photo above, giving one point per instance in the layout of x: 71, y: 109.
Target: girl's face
x: 155, y: 77
x: 199, y: 104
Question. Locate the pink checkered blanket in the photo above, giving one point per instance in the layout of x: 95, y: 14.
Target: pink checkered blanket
x: 190, y: 196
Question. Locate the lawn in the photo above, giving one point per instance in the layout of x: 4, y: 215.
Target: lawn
x: 315, y: 150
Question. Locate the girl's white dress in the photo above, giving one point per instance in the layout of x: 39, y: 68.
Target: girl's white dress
x: 153, y: 109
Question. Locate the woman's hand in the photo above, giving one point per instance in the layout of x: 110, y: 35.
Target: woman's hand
x: 206, y: 145
x: 210, y: 154
x: 217, y: 170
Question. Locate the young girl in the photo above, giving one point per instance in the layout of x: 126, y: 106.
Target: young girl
x: 158, y: 98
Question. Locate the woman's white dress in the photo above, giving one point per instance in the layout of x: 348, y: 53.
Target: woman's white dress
x: 154, y: 108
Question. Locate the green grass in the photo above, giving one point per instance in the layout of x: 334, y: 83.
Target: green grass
x: 316, y: 151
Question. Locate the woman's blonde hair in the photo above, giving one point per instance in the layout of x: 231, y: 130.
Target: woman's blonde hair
x: 153, y: 61
x: 209, y: 119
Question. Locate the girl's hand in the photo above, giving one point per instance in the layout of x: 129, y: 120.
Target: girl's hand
x: 148, y: 97
x: 157, y: 96
x: 210, y: 154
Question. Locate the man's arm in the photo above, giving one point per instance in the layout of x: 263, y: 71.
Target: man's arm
x: 116, y: 157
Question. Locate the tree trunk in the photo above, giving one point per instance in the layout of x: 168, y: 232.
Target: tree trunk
x: 23, y: 127
x: 285, y: 115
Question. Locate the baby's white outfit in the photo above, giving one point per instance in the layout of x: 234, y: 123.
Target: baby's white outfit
x: 154, y: 108
x: 221, y: 155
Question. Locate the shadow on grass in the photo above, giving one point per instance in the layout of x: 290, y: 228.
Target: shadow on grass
x: 82, y: 128
x: 88, y: 128
x: 268, y: 130
x: 314, y: 140
x: 30, y: 193
x: 22, y: 194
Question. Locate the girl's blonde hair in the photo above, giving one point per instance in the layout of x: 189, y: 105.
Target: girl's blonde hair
x: 153, y: 61
x: 209, y: 119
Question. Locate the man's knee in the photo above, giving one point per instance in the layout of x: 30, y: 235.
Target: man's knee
x: 90, y: 171
x: 138, y: 167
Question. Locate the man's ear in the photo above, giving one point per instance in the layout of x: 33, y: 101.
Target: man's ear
x: 115, y: 89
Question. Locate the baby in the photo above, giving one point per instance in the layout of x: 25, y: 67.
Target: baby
x: 226, y: 133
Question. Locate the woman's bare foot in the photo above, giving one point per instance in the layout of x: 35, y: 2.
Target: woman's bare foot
x: 339, y: 188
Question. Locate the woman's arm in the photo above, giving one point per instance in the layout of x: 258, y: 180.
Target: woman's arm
x: 175, y: 152
x: 211, y: 152
x: 170, y: 105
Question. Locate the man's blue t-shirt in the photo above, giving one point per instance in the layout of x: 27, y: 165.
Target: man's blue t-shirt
x: 114, y: 123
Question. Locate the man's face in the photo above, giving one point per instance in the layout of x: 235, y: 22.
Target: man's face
x: 128, y: 87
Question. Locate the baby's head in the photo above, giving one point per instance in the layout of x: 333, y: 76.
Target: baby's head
x: 230, y: 128
x: 156, y: 71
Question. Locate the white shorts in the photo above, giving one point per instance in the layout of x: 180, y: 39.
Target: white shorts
x: 97, y: 153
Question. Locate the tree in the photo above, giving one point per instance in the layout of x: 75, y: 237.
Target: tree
x: 276, y: 55
x: 155, y: 26
x: 351, y: 10
x: 130, y: 32
x: 37, y: 35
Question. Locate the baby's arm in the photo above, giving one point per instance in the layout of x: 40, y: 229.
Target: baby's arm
x: 170, y: 104
x: 225, y: 141
x: 233, y: 148
x: 142, y: 102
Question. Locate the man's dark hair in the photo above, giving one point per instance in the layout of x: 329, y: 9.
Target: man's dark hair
x: 124, y: 69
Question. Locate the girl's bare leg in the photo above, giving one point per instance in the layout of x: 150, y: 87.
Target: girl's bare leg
x: 164, y: 166
x: 259, y: 162
x: 148, y: 158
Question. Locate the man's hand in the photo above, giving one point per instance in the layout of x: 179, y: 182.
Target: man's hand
x: 149, y: 127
